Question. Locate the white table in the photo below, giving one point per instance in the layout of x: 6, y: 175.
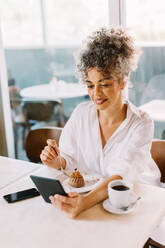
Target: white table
x: 36, y: 224
x: 156, y: 109
x: 52, y: 92
x: 12, y: 170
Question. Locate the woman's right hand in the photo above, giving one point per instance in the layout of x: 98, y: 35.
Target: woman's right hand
x: 50, y: 154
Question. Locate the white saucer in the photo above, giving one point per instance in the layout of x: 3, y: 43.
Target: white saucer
x: 112, y: 209
x: 91, y: 182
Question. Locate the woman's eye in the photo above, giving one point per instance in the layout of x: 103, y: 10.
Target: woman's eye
x: 105, y: 85
x: 90, y: 86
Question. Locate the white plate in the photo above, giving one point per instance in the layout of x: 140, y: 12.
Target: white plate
x: 91, y: 181
x: 108, y: 207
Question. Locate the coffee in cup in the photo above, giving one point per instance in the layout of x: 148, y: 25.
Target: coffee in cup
x: 120, y: 193
x: 120, y: 187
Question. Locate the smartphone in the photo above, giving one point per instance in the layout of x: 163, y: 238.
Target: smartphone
x: 48, y: 187
x: 21, y: 195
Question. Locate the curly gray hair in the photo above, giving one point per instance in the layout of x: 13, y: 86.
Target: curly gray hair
x: 111, y: 50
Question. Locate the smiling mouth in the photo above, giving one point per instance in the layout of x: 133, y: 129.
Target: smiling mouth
x: 100, y: 101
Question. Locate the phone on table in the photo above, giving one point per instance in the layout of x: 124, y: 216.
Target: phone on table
x: 48, y: 187
x: 21, y: 195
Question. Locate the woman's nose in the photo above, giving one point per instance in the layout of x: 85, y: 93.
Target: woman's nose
x: 97, y: 90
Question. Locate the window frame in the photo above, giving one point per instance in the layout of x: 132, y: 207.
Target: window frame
x: 7, y: 142
x: 117, y: 12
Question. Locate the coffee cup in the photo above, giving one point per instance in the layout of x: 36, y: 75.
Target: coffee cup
x: 120, y: 193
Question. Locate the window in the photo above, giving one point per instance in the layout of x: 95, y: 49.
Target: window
x: 58, y: 23
x: 21, y: 23
x: 146, y: 18
x: 40, y: 38
x: 69, y: 21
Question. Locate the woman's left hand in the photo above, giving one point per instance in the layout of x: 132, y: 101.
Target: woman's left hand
x: 72, y: 205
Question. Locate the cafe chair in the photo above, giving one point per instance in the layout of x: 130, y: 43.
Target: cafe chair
x: 39, y: 114
x: 38, y: 111
x: 158, y: 155
x: 36, y: 141
x: 152, y: 244
x: 157, y: 239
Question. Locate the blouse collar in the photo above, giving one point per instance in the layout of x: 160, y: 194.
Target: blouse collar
x: 132, y: 109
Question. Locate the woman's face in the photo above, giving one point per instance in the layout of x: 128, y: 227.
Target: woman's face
x: 104, y: 89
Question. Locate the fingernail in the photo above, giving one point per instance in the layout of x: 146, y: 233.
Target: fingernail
x: 53, y: 142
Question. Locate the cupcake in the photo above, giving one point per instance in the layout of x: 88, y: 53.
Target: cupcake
x: 76, y: 180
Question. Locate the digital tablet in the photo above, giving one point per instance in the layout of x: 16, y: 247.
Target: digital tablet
x: 48, y: 187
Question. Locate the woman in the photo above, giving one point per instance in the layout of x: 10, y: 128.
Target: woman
x: 107, y: 135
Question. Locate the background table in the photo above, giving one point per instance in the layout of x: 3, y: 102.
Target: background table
x: 36, y: 224
x: 156, y: 109
x: 52, y: 92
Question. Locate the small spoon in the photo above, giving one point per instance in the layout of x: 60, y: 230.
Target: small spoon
x: 131, y: 205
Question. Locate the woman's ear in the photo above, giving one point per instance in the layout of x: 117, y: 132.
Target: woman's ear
x: 122, y: 84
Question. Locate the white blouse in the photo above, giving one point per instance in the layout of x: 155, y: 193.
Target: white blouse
x: 126, y: 153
